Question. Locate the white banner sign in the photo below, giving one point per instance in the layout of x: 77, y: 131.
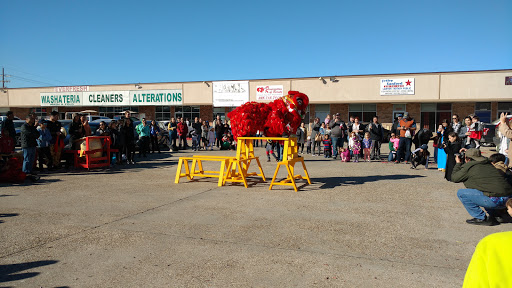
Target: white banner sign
x: 230, y: 93
x: 113, y: 98
x: 269, y: 92
x: 106, y: 98
x: 403, y: 86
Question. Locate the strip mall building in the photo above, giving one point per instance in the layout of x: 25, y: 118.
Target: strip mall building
x: 428, y: 97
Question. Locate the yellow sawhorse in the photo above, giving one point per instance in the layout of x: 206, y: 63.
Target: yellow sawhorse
x: 235, y: 169
x: 190, y: 171
x: 290, y: 157
x: 290, y: 167
x: 231, y: 169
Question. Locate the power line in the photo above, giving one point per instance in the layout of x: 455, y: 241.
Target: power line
x: 39, y: 76
x: 32, y: 80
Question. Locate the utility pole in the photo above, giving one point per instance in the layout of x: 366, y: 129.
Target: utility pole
x: 3, y: 80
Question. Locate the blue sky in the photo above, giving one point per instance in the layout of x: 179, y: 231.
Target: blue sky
x: 61, y: 43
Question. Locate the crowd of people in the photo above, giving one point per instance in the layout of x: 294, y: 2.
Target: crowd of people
x: 456, y: 148
x: 204, y: 135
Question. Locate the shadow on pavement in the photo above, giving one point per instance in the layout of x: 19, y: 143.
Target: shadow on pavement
x: 27, y: 182
x: 2, y: 215
x: 10, y: 272
x: 331, y: 182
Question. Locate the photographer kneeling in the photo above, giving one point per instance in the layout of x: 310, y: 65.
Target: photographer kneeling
x: 485, y: 187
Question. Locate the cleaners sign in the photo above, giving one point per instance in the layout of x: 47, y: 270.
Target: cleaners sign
x: 404, y: 86
x: 114, y: 98
x: 106, y: 98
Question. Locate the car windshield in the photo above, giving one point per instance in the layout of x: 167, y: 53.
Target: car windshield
x: 18, y: 124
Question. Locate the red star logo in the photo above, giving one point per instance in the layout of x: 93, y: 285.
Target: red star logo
x: 408, y: 82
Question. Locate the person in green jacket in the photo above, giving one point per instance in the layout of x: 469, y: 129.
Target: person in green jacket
x: 485, y: 187
x: 143, y: 131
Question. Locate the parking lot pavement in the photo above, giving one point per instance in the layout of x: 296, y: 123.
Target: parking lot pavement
x: 357, y: 225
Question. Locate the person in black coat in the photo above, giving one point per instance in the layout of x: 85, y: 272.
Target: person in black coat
x: 29, y: 135
x: 76, y: 130
x: 422, y: 137
x: 127, y: 139
x: 115, y: 140
x: 451, y: 148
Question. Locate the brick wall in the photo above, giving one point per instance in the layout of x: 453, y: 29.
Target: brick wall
x: 311, y: 113
x: 149, y: 111
x: 414, y: 110
x: 206, y: 112
x: 340, y: 108
x: 20, y: 112
x: 463, y: 109
x: 494, y: 111
x: 385, y: 112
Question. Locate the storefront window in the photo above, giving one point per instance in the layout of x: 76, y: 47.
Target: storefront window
x: 162, y: 113
x: 187, y: 112
x: 504, y: 107
x: 433, y: 113
x: 483, y: 110
x: 321, y: 111
x: 40, y: 112
x: 365, y: 112
x: 398, y: 109
x: 110, y: 112
x: 221, y: 111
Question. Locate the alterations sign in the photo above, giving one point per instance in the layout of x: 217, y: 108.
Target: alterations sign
x: 156, y: 98
x: 113, y: 98
x: 269, y: 92
x: 230, y: 93
x: 402, y: 86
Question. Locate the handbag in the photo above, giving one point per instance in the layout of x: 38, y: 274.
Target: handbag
x: 318, y: 137
x: 408, y: 134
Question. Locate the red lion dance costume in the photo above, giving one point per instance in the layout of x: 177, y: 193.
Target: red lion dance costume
x: 279, y: 118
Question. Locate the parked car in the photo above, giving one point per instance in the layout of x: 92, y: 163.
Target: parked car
x: 17, y: 127
x: 2, y: 118
x: 488, y: 134
x: 387, y: 133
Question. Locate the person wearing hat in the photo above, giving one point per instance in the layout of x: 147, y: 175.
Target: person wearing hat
x: 57, y: 142
x: 485, y: 187
x: 338, y: 129
x: 406, y: 127
x: 395, y: 125
x: 420, y: 156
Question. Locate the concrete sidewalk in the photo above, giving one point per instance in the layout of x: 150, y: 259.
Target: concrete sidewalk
x: 358, y: 225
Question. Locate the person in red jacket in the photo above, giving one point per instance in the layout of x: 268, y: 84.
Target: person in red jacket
x: 182, y: 134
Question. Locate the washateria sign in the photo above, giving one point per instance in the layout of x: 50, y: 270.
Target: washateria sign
x: 269, y: 92
x: 61, y: 99
x: 230, y: 93
x: 403, y: 86
x: 113, y: 98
